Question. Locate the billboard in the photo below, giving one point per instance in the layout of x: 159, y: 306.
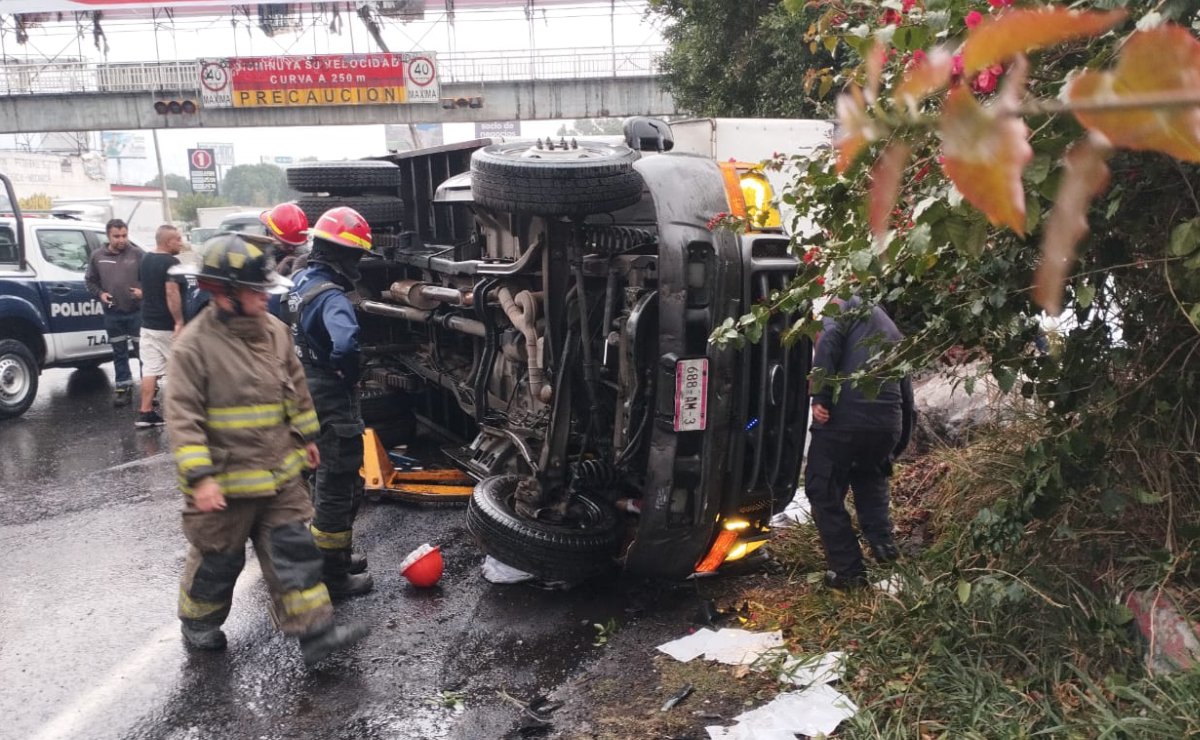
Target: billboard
x: 322, y: 80
x: 123, y: 145
x: 202, y: 168
x: 223, y: 152
x: 506, y: 129
x: 404, y: 137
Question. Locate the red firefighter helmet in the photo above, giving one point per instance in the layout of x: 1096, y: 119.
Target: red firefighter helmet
x: 287, y: 223
x: 344, y: 227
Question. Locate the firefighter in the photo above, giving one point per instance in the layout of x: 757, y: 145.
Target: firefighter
x: 325, y: 331
x: 286, y: 224
x: 242, y: 428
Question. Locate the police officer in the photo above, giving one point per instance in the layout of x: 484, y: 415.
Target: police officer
x: 854, y: 441
x: 235, y: 406
x: 325, y: 329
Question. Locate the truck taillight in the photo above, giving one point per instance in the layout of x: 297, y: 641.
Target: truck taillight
x: 749, y: 194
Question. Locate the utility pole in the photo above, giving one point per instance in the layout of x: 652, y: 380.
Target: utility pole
x: 162, y: 179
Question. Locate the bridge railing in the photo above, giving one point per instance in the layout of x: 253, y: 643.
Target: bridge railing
x: 46, y: 78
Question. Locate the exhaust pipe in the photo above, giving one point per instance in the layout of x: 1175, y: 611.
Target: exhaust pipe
x: 522, y: 312
x: 426, y: 296
x: 409, y: 313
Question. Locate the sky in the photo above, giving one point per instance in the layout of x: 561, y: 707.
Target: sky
x: 586, y: 26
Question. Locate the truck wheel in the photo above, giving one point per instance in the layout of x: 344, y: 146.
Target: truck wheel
x: 343, y: 178
x: 378, y: 210
x: 519, y: 178
x: 389, y: 413
x: 548, y: 550
x: 18, y: 378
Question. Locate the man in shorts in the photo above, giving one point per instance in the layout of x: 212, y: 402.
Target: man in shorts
x: 162, y: 317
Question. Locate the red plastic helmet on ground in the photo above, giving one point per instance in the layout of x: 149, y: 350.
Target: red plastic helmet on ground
x: 344, y: 227
x: 423, y: 566
x: 287, y: 223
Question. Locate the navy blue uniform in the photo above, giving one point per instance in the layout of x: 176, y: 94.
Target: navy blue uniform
x: 855, y: 448
x: 325, y: 329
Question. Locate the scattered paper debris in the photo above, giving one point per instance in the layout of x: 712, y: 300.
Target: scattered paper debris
x: 890, y: 585
x: 812, y: 669
x: 729, y: 646
x: 497, y: 572
x: 817, y: 710
x: 796, y: 512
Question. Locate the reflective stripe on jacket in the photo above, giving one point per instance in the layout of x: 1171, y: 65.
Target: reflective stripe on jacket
x: 238, y: 408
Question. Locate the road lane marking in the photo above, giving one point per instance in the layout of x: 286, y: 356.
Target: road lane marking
x: 78, y: 718
x: 137, y: 463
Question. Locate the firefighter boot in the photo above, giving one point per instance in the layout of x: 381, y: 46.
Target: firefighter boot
x: 318, y: 646
x: 340, y: 579
x: 358, y: 563
x: 202, y: 636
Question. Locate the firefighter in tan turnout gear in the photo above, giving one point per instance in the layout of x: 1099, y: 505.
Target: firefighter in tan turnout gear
x: 242, y: 429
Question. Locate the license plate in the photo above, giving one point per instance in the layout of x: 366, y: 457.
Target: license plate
x: 691, y: 395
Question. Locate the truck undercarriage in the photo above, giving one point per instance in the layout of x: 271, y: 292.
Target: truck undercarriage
x: 547, y: 308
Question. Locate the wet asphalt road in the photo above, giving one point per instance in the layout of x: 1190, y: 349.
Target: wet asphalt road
x: 89, y: 642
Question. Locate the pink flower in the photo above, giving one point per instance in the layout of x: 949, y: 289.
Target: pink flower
x: 921, y: 174
x: 891, y: 18
x: 820, y: 280
x: 984, y: 83
x: 1000, y: 3
x: 956, y: 69
x: 987, y: 79
x: 916, y: 60
x: 908, y: 4
x: 973, y: 19
x: 811, y: 255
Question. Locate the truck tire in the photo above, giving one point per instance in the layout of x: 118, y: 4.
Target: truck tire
x: 18, y: 378
x: 378, y: 210
x: 389, y: 412
x: 343, y: 178
x: 547, y: 550
x: 517, y: 178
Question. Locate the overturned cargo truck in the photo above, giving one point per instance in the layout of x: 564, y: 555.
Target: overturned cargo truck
x: 545, y: 307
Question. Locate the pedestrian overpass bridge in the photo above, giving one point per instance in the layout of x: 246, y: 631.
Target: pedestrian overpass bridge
x: 475, y: 86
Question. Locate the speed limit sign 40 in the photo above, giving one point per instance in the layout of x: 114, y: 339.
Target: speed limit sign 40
x: 215, y: 88
x: 421, y: 83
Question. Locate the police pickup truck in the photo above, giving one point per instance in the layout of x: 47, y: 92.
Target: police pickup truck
x: 47, y: 317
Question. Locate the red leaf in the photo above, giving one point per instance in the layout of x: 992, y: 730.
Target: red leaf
x: 999, y: 38
x: 1086, y: 177
x: 1162, y: 62
x: 923, y: 78
x: 856, y: 128
x: 885, y: 186
x: 986, y: 149
x: 876, y: 57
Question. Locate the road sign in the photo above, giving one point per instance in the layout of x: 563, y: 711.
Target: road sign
x: 216, y: 90
x: 283, y: 160
x: 421, y: 85
x: 223, y: 152
x: 202, y: 166
x: 319, y: 80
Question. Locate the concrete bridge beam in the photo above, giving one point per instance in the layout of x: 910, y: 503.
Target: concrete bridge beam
x: 502, y: 101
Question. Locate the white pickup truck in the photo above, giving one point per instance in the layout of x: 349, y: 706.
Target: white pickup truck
x: 47, y: 317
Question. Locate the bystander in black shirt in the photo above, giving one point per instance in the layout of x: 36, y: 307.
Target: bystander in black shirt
x: 155, y: 313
